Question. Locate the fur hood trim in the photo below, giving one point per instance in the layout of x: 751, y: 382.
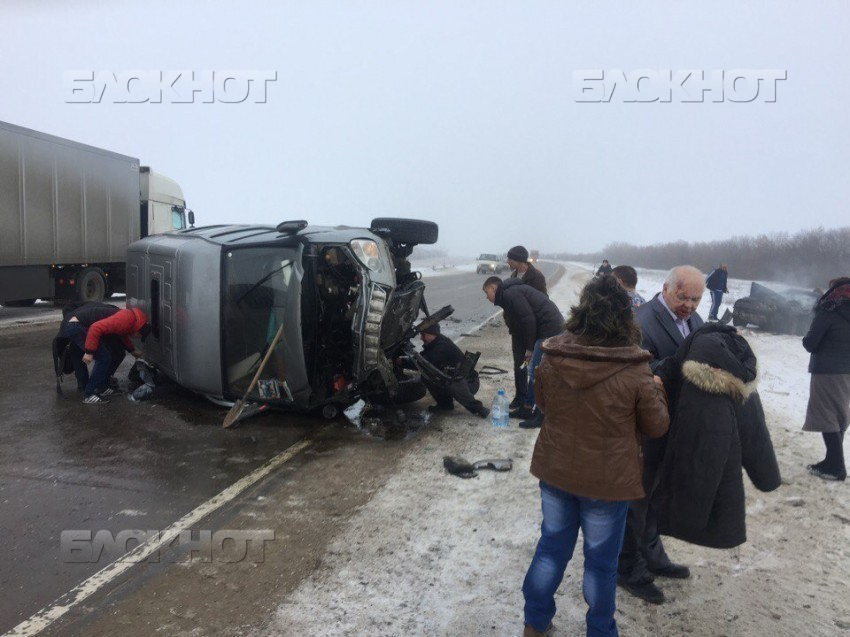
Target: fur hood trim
x: 717, y: 381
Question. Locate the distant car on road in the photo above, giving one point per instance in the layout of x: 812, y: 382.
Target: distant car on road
x: 789, y: 312
x: 491, y: 264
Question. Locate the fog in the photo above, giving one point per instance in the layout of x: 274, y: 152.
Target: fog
x: 489, y: 118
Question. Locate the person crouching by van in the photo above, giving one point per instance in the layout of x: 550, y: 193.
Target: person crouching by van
x: 443, y: 354
x: 90, y: 328
x: 598, y: 396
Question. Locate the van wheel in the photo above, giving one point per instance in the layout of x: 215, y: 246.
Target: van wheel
x: 329, y: 412
x: 91, y: 285
x: 408, y: 392
x: 408, y: 231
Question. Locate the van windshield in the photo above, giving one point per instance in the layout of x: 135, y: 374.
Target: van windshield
x: 262, y: 291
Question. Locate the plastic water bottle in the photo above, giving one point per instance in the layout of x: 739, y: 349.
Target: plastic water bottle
x: 499, y: 410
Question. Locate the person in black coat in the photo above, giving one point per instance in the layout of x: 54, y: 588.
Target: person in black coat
x: 715, y: 283
x: 532, y: 317
x: 665, y: 321
x: 528, y: 274
x: 717, y: 428
x: 442, y: 353
x: 828, y: 341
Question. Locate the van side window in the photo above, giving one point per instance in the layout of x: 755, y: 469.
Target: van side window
x: 154, y: 308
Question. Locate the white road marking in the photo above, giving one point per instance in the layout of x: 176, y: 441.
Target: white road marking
x: 46, y: 616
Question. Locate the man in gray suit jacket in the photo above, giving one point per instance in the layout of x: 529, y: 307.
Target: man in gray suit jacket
x: 665, y: 321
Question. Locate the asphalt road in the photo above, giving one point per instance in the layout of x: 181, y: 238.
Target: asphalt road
x: 67, y: 466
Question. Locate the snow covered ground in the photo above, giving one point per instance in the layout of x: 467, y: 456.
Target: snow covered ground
x: 432, y: 554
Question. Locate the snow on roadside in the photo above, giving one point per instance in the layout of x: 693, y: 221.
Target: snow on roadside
x: 432, y: 554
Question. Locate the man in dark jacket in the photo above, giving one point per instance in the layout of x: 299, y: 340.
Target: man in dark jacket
x: 605, y: 268
x: 666, y: 321
x: 715, y: 283
x: 525, y: 271
x: 528, y: 274
x: 102, y: 332
x: 532, y: 317
x: 442, y: 353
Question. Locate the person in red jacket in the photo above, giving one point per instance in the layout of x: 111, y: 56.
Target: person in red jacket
x: 123, y: 323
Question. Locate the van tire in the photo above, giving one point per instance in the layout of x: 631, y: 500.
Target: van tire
x: 408, y: 231
x: 409, y: 391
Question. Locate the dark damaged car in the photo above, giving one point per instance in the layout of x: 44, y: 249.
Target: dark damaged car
x: 346, y: 299
x: 789, y: 312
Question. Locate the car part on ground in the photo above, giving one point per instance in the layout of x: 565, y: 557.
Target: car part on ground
x: 789, y: 312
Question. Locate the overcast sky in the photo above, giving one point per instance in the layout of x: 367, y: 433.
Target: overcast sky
x: 482, y: 116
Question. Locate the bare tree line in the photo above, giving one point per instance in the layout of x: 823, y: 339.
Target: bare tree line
x: 809, y: 258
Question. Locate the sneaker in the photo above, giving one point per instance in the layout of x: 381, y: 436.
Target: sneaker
x: 482, y: 412
x: 94, y: 399
x: 109, y: 392
x: 647, y: 591
x: 823, y: 474
x: 112, y: 383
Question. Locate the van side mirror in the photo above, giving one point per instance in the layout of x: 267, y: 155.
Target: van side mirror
x: 191, y: 219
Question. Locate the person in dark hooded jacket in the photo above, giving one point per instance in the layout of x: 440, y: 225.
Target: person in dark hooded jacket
x: 828, y: 341
x: 531, y: 316
x: 717, y: 429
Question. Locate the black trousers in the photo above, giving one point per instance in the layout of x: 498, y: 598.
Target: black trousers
x: 463, y: 391
x: 642, y: 546
x: 520, y: 373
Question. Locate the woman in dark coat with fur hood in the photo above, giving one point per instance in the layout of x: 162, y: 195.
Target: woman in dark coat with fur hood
x: 717, y: 428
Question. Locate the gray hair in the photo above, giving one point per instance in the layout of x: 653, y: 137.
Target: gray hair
x: 681, y: 272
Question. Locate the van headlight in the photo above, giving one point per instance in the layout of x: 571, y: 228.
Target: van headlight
x: 368, y: 253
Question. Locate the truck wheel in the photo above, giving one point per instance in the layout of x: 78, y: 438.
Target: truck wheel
x: 408, y: 231
x: 20, y: 303
x: 91, y: 285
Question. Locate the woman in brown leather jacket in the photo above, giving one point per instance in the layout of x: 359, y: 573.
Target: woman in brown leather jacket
x: 598, y: 397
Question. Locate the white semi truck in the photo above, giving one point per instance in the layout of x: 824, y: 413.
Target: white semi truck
x: 68, y: 211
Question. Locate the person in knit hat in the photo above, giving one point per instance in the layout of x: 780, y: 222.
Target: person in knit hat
x: 528, y: 274
x: 442, y: 353
x: 89, y: 329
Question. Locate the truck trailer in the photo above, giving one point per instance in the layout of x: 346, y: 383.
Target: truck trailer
x: 69, y: 211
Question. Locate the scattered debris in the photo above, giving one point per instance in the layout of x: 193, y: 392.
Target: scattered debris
x: 462, y: 468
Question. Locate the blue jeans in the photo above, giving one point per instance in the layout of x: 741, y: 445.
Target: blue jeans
x: 602, y: 523
x: 536, y: 355
x: 716, y: 298
x: 110, y: 352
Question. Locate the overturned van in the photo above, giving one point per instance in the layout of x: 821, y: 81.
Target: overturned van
x: 342, y: 301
